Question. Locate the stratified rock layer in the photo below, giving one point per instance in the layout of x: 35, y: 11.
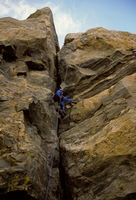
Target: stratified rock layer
x: 28, y: 120
x: 98, y: 137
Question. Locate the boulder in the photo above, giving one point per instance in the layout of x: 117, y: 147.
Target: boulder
x: 28, y: 120
x: 98, y: 135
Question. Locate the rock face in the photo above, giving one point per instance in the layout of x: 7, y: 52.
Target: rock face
x: 28, y: 120
x: 98, y: 136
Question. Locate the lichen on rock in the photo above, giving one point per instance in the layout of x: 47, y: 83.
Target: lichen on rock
x: 97, y: 138
x: 96, y: 157
x: 28, y: 120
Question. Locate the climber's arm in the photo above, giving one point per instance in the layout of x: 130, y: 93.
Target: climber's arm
x: 67, y: 99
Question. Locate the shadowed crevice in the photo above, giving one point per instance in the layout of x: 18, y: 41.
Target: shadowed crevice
x: 65, y: 186
x: 16, y: 195
x: 9, y: 53
x: 131, y: 196
x: 35, y: 66
x: 23, y: 74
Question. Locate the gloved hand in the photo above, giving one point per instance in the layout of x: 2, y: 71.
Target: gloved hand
x: 74, y: 102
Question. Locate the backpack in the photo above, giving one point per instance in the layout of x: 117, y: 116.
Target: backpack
x: 56, y: 98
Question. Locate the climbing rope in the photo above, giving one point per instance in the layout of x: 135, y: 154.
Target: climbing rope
x: 66, y: 73
x: 63, y: 84
x: 50, y: 166
x: 49, y: 173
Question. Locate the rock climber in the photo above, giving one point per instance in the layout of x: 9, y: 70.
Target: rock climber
x: 61, y: 99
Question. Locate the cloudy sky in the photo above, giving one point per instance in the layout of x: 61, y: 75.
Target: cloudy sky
x: 71, y: 16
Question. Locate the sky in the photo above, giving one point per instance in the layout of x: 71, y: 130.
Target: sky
x: 73, y: 16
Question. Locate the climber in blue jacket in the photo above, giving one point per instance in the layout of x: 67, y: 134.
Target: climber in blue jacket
x: 61, y: 99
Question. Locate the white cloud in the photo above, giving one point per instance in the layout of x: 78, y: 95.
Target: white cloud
x: 17, y: 9
x: 21, y: 9
x: 64, y: 22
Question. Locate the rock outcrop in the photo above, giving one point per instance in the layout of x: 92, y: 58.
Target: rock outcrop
x: 28, y: 121
x: 98, y: 136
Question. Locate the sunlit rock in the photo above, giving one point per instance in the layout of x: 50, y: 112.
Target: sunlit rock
x: 28, y: 120
x: 98, y: 136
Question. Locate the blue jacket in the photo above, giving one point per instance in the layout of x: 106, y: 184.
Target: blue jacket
x: 60, y: 94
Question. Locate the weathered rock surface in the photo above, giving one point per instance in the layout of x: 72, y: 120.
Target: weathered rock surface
x: 98, y: 136
x: 28, y: 120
